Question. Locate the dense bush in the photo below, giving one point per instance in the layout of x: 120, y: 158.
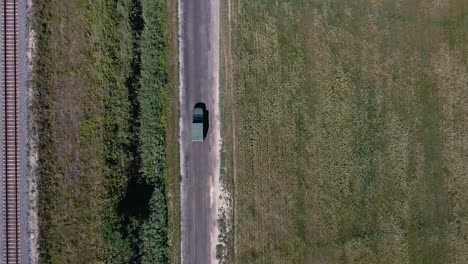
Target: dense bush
x: 152, y: 98
x: 135, y: 142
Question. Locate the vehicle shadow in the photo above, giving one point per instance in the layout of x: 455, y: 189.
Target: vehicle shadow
x: 206, y: 123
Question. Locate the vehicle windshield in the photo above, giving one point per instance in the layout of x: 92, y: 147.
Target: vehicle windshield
x: 197, y: 118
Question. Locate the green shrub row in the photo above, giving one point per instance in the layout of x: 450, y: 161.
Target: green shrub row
x: 135, y: 133
x: 153, y: 98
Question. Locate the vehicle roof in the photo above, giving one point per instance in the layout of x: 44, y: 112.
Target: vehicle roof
x: 197, y: 132
x: 198, y: 111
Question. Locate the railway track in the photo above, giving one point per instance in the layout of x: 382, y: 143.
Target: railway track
x: 11, y: 199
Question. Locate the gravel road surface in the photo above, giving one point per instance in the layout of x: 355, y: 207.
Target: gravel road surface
x: 199, y: 74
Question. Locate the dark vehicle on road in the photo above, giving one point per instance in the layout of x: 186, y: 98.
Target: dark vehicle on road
x: 199, y: 122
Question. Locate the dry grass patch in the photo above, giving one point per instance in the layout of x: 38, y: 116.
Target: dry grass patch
x: 351, y: 131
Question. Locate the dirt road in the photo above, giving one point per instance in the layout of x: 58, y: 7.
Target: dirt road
x: 199, y: 74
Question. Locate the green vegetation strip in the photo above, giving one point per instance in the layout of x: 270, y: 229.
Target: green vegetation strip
x: 101, y: 85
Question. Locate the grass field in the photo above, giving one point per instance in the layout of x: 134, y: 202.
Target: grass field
x: 172, y: 132
x: 102, y: 110
x: 350, y: 130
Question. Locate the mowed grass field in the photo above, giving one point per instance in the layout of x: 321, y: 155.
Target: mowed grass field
x: 350, y: 130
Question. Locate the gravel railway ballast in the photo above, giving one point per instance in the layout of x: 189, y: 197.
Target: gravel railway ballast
x: 10, y: 136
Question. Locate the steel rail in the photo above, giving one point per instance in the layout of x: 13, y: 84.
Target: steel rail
x: 11, y: 248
